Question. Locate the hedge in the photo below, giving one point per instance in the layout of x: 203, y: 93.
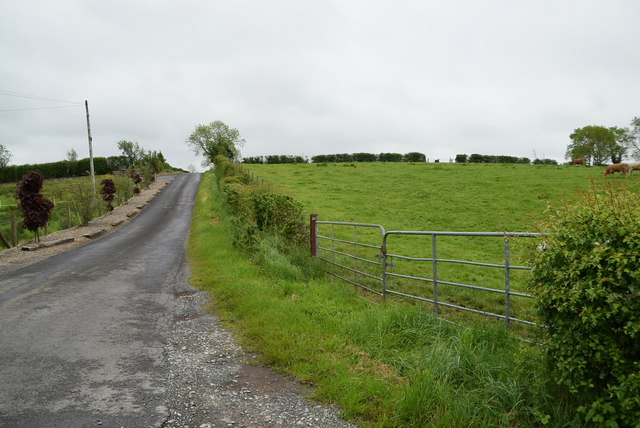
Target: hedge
x: 63, y: 169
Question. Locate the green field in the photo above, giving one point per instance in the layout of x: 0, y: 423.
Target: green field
x: 433, y: 196
x: 437, y: 197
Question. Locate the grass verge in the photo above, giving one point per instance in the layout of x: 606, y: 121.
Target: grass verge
x: 385, y: 365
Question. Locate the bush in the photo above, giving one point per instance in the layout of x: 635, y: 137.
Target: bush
x: 390, y: 157
x: 280, y: 215
x: 414, y: 157
x: 544, y: 161
x: 124, y: 186
x: 85, y: 202
x: 108, y: 192
x: 587, y: 278
x: 36, y: 209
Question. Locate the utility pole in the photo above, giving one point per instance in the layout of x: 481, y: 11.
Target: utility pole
x: 93, y: 176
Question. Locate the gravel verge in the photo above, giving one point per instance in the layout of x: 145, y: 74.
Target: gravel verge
x: 214, y: 383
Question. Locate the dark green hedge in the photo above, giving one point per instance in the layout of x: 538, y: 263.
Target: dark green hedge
x: 338, y: 157
x: 478, y: 158
x: 63, y: 169
x: 370, y: 157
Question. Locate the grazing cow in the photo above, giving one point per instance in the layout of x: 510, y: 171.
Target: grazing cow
x: 579, y: 161
x: 633, y: 165
x: 622, y: 168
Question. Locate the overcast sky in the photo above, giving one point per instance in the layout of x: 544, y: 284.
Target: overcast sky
x: 315, y: 77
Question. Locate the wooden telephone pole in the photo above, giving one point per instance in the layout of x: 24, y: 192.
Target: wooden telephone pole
x: 93, y: 176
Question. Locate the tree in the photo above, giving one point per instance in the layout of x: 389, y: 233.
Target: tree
x: 5, y: 156
x: 36, y: 209
x: 415, y: 157
x: 108, y: 192
x: 597, y: 144
x: 461, y: 158
x: 633, y: 142
x: 216, y: 139
x: 72, y: 155
x: 137, y: 179
x: 132, y: 152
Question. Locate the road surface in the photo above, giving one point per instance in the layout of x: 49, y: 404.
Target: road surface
x: 82, y: 333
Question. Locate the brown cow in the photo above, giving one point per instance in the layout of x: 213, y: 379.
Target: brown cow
x: 579, y: 161
x: 622, y: 168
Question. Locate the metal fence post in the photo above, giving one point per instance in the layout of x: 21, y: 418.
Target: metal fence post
x: 383, y: 257
x: 313, y: 235
x: 434, y: 252
x: 507, y: 282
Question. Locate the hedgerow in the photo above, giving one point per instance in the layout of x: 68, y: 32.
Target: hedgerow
x: 266, y: 223
x: 587, y: 278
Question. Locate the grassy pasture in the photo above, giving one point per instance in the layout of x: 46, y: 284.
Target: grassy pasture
x: 74, y: 193
x: 433, y: 196
x: 438, y: 197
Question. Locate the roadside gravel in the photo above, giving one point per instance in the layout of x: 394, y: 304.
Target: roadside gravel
x: 212, y: 382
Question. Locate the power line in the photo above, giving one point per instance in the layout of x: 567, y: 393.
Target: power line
x: 38, y: 108
x: 36, y: 97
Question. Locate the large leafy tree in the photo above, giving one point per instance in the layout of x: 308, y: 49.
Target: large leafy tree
x: 597, y: 144
x: 5, y: 156
x: 633, y: 141
x: 132, y: 151
x: 215, y: 139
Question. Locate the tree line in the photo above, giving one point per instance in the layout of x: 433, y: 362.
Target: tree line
x: 338, y: 157
x: 148, y: 162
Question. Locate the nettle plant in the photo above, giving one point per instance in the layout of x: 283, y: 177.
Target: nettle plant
x: 587, y: 279
x: 36, y: 209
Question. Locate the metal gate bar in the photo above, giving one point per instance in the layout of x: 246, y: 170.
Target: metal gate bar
x: 385, y: 263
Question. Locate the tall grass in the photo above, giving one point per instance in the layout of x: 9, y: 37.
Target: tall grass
x: 385, y: 365
x: 74, y: 201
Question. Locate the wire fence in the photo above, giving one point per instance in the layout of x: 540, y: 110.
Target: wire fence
x: 63, y: 216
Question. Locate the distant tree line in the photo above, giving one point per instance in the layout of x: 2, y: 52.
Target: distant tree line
x: 274, y: 159
x: 63, y: 169
x: 391, y: 157
x: 339, y: 157
x: 154, y: 162
x: 477, y: 158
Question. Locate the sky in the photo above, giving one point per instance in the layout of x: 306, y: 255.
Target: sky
x: 295, y: 77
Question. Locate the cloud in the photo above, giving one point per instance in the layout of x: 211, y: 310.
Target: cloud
x: 310, y: 78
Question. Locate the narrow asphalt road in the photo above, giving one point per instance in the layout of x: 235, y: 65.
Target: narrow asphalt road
x: 82, y: 333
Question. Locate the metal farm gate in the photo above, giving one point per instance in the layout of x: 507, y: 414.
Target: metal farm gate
x: 385, y: 263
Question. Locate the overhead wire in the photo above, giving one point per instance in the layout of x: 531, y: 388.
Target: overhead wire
x: 39, y: 108
x: 35, y: 97
x: 38, y: 98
